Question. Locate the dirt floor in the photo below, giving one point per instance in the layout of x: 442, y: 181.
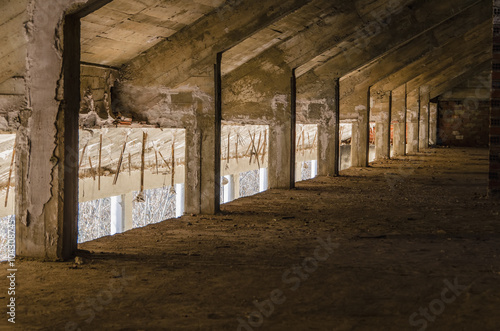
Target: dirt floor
x: 407, y: 244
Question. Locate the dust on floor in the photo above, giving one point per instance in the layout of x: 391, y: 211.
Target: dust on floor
x: 406, y: 244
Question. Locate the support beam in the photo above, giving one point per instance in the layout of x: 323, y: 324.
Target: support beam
x: 228, y: 189
x: 381, y: 114
x: 117, y: 214
x: 399, y: 120
x: 413, y: 111
x: 236, y: 181
x: 328, y: 133
x: 293, y: 127
x: 203, y: 146
x: 47, y: 169
x: 319, y: 98
x: 216, y: 32
x: 360, y: 143
x: 179, y: 200
x: 433, y: 123
x: 423, y: 141
x: 314, y: 168
x: 262, y: 180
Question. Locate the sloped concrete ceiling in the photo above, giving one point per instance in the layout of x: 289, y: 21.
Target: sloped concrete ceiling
x: 123, y: 29
x: 12, y: 38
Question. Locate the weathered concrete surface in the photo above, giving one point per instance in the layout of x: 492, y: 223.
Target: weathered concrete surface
x: 13, y: 38
x: 399, y: 120
x: 259, y: 93
x: 456, y: 57
x: 413, y: 119
x: 380, y: 113
x: 398, y: 66
x: 387, y: 27
x: 192, y: 49
x: 478, y: 89
x: 47, y: 154
x: 433, y: 123
x: 423, y: 136
x: 360, y: 130
x: 318, y: 104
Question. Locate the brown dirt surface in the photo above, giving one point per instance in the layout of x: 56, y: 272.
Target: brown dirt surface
x: 402, y: 232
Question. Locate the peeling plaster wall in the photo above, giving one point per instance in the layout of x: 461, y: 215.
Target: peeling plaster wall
x: 40, y: 152
x: 190, y: 107
x: 317, y: 105
x: 10, y: 106
x: 95, y: 90
x: 259, y: 93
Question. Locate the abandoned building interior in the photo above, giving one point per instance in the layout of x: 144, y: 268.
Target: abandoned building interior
x: 247, y: 164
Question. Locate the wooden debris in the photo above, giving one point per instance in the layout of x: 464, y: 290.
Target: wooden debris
x: 91, y: 168
x: 264, y: 146
x: 120, y: 160
x: 166, y: 163
x: 83, y: 154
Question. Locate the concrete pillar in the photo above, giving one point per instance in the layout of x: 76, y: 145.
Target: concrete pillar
x: 122, y: 213
x: 47, y: 139
x: 262, y: 179
x: 433, y: 119
x: 229, y: 189
x: 423, y: 141
x: 203, y: 150
x: 236, y: 182
x: 314, y: 168
x: 280, y: 142
x: 328, y: 132
x: 117, y: 214
x: 179, y: 200
x: 399, y: 120
x: 360, y: 133
x: 413, y: 109
x: 298, y: 171
x: 382, y: 113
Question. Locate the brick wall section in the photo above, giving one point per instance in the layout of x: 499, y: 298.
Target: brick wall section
x: 99, y: 82
x: 463, y: 124
x: 494, y: 181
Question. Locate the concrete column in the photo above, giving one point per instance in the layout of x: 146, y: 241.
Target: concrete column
x: 236, y: 182
x: 423, y: 141
x: 433, y: 119
x: 399, y: 120
x: 298, y: 171
x: 413, y: 121
x: 47, y: 140
x: 381, y: 113
x: 203, y: 150
x: 179, y: 200
x: 229, y: 189
x: 314, y: 168
x: 360, y: 133
x: 280, y: 142
x: 262, y: 179
x: 328, y: 131
x: 117, y: 214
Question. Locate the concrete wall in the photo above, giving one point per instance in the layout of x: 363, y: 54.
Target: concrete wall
x: 95, y: 89
x: 463, y: 124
